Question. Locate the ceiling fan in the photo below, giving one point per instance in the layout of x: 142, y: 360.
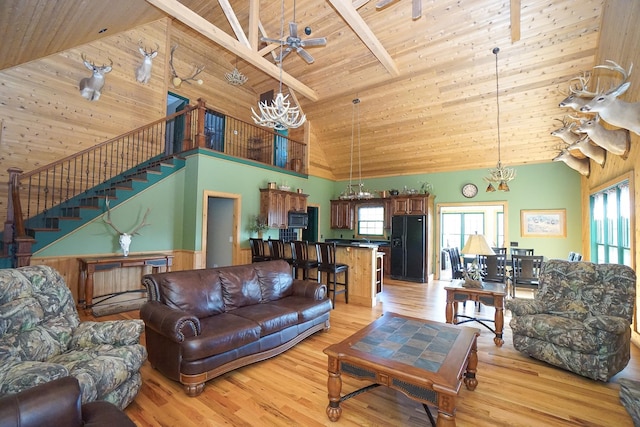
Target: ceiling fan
x: 293, y: 42
x: 416, y: 10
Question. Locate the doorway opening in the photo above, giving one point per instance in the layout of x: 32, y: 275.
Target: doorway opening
x: 220, y: 229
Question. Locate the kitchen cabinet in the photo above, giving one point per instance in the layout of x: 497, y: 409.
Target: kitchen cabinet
x: 410, y: 204
x: 342, y: 214
x: 276, y: 204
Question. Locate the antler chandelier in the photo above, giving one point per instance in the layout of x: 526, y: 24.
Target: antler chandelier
x: 500, y: 175
x: 235, y: 77
x: 280, y: 115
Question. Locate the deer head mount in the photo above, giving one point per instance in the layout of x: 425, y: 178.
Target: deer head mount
x: 90, y: 87
x: 614, y: 141
x: 143, y: 72
x: 177, y: 80
x: 125, y: 238
x: 579, y: 165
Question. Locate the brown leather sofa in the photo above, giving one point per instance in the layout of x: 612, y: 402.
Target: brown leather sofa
x: 58, y: 403
x: 203, y: 323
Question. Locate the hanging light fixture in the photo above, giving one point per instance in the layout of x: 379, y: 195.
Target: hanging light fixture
x: 235, y: 77
x: 280, y: 115
x: 500, y: 175
x: 355, y: 191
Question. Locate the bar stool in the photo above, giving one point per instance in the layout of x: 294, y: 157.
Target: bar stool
x: 301, y: 260
x: 257, y: 250
x: 326, y: 254
x: 276, y: 250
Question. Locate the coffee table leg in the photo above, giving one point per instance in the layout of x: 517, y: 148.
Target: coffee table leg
x: 334, y: 386
x: 499, y: 320
x: 470, y: 377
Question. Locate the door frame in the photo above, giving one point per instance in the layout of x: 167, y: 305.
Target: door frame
x: 438, y: 230
x: 237, y: 205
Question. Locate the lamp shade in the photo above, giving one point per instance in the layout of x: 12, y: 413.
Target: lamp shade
x: 477, y: 245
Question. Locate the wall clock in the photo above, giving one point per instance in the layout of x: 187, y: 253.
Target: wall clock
x: 469, y: 190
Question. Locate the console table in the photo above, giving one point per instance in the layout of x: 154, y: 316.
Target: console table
x: 88, y: 266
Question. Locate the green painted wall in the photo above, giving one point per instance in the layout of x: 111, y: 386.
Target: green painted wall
x: 539, y: 186
x: 176, y: 204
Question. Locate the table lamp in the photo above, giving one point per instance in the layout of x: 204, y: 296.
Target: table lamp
x: 476, y: 245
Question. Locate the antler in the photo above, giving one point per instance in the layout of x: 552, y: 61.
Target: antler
x: 108, y: 219
x: 582, y: 91
x: 135, y: 229
x: 177, y: 80
x: 144, y: 48
x: 617, y: 68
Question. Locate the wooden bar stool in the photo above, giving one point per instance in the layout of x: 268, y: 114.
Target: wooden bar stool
x: 301, y: 260
x: 326, y: 254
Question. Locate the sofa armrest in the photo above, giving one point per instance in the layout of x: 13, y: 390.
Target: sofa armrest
x: 615, y: 325
x: 169, y: 322
x: 309, y: 289
x: 115, y: 332
x: 524, y: 306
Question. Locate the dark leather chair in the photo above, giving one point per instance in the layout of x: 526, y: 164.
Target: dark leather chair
x: 326, y: 256
x: 258, y: 254
x: 58, y: 403
x: 301, y: 260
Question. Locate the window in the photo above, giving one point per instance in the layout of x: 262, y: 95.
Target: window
x: 456, y: 227
x: 611, y: 225
x: 371, y: 220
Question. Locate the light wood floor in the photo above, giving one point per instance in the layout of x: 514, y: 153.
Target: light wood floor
x: 290, y: 389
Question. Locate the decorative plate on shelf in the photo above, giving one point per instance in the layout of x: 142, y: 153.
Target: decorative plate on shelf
x: 469, y: 190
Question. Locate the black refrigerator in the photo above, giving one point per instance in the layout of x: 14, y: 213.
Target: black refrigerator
x: 408, y: 248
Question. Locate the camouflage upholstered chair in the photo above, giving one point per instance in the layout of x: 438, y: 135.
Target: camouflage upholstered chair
x: 42, y: 339
x: 579, y: 319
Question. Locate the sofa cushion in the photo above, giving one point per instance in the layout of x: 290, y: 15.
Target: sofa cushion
x: 220, y: 333
x: 198, y: 292
x: 271, y: 317
x: 240, y: 287
x: 275, y: 279
x: 307, y: 309
x: 561, y: 331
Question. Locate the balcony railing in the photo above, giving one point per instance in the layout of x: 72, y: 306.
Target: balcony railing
x: 39, y: 198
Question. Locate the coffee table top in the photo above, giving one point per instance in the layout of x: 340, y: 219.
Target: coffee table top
x: 422, y: 350
x: 488, y: 287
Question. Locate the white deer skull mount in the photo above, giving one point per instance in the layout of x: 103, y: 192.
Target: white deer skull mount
x: 125, y: 238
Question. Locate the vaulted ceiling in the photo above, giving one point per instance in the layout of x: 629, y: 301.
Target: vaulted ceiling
x: 427, y: 86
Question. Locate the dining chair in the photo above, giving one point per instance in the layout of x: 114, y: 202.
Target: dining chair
x: 301, y: 260
x: 258, y: 252
x: 520, y: 251
x: 526, y: 271
x: 457, y: 271
x: 493, y: 267
x: 326, y: 256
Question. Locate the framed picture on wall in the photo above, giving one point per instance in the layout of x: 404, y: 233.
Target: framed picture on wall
x: 543, y: 223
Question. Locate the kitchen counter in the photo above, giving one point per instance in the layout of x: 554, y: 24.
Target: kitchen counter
x: 362, y: 260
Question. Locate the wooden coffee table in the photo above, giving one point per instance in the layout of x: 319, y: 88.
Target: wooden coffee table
x: 427, y: 361
x: 492, y: 294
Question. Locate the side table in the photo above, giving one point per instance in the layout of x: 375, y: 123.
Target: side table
x: 492, y: 294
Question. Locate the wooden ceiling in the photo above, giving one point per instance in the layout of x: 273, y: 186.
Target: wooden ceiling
x: 427, y: 86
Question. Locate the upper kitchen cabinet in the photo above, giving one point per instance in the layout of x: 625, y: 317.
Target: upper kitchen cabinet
x: 415, y: 204
x: 342, y: 214
x: 276, y: 204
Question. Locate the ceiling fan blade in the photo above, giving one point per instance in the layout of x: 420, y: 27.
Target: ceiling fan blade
x: 293, y: 29
x: 284, y: 54
x: 320, y: 41
x: 384, y: 3
x: 305, y: 55
x: 416, y: 10
x: 268, y: 40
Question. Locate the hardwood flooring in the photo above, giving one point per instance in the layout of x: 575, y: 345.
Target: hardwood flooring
x: 291, y: 389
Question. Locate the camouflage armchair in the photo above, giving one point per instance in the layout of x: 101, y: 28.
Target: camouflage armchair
x: 42, y: 339
x: 579, y: 319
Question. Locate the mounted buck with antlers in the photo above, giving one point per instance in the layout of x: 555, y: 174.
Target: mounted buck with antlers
x: 580, y: 165
x: 586, y: 147
x: 90, y: 87
x: 143, y: 72
x: 614, y: 141
x: 125, y: 238
x: 579, y: 96
x: 566, y: 132
x: 614, y: 111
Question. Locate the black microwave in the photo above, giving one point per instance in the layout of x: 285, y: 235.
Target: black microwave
x: 298, y: 219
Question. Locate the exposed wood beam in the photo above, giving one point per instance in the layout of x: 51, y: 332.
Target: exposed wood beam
x: 215, y: 34
x: 357, y: 4
x: 254, y: 22
x: 515, y: 20
x: 362, y: 30
x: 233, y: 21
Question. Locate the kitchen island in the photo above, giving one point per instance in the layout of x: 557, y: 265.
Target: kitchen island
x: 365, y: 275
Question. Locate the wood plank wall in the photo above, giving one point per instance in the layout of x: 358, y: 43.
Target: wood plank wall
x: 620, y: 42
